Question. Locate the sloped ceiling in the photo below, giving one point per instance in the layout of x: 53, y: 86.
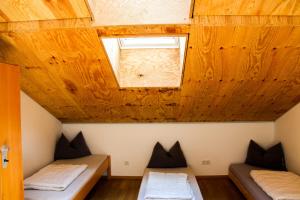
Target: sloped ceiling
x: 240, y: 66
x: 26, y: 10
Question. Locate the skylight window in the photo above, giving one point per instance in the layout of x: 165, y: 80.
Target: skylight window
x: 149, y: 42
x: 147, y: 61
x: 133, y: 12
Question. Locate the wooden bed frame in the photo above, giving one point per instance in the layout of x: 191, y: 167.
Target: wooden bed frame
x: 105, y: 166
x: 243, y: 190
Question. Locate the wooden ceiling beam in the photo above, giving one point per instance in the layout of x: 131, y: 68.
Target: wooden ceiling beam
x: 35, y: 26
x: 143, y: 30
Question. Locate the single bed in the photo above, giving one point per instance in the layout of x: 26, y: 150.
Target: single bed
x: 80, y: 187
x: 240, y: 175
x: 191, y: 179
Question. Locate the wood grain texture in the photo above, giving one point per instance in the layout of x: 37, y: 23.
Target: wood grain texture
x: 2, y: 19
x: 237, y: 69
x: 243, y: 52
x: 149, y: 68
x: 219, y: 188
x: 220, y: 20
x: 11, y: 178
x: 42, y: 25
x: 160, y: 29
x: 143, y: 30
x: 28, y: 10
x: 115, y: 189
x: 241, y: 187
x: 246, y: 7
x: 83, y: 192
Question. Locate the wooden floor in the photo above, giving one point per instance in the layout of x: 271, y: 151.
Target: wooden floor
x: 219, y: 189
x: 212, y: 189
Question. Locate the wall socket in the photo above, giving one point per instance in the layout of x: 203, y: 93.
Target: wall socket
x: 126, y: 163
x: 205, y: 162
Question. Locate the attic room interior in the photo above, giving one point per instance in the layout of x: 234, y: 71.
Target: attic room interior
x: 150, y: 100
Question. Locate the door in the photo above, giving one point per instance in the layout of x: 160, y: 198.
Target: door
x: 11, y: 177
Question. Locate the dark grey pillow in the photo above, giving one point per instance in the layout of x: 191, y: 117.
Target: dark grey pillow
x: 162, y: 159
x: 68, y: 150
x: 272, y: 158
x: 80, y: 145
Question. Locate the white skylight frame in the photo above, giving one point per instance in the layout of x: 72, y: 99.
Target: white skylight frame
x: 148, y: 42
x: 113, y: 52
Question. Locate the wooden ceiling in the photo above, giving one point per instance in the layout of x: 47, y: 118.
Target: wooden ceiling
x: 242, y: 63
x: 26, y: 10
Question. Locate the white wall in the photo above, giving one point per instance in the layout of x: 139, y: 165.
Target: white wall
x: 39, y: 133
x: 221, y: 143
x: 287, y: 130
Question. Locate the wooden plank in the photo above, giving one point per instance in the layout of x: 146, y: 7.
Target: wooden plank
x: 243, y: 190
x: 143, y: 30
x: 246, y: 7
x: 131, y: 30
x: 2, y: 19
x: 62, y: 66
x: 212, y: 177
x: 11, y: 178
x: 242, y: 52
x: 28, y: 10
x: 44, y: 25
x: 105, y: 166
x: 127, y: 177
x: 221, y: 20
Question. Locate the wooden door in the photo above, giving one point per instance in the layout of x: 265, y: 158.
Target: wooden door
x: 11, y: 178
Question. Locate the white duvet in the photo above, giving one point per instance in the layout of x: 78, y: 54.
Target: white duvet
x: 55, y: 177
x: 168, y: 186
x: 277, y: 184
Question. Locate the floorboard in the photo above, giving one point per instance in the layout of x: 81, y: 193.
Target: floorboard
x: 219, y: 189
x: 120, y: 189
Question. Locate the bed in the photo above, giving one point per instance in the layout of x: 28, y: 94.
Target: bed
x: 191, y: 179
x: 240, y: 175
x: 80, y: 187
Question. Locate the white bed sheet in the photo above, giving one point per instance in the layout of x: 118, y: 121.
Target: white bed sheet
x: 93, y: 162
x: 191, y: 179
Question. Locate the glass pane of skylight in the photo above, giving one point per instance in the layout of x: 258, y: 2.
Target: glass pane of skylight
x: 149, y: 42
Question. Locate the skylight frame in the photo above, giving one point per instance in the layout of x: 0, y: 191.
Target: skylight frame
x: 183, y: 43
x: 148, y: 42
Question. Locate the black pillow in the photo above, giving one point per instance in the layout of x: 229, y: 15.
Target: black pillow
x: 80, y: 145
x: 177, y: 154
x: 63, y: 149
x: 272, y: 158
x: 162, y: 159
x: 66, y: 150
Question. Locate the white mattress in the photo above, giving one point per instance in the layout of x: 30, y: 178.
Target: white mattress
x: 191, y: 179
x: 93, y: 162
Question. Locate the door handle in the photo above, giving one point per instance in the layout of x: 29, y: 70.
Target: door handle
x: 4, y: 152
